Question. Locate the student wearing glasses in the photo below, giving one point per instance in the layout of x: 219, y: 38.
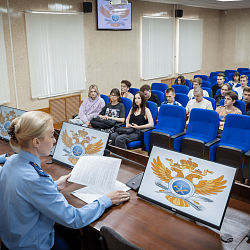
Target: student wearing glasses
x: 114, y: 110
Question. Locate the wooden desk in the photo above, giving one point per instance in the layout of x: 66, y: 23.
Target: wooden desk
x: 152, y: 227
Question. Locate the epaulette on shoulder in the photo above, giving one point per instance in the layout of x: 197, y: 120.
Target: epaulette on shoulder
x: 38, y: 169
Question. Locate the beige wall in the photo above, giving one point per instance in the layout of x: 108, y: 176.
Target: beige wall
x: 113, y: 56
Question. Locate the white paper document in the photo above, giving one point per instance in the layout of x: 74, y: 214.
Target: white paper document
x: 90, y: 194
x: 96, y: 172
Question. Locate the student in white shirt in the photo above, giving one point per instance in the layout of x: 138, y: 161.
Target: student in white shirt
x: 197, y: 83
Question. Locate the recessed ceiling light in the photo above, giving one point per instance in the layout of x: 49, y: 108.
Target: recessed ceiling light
x: 229, y: 0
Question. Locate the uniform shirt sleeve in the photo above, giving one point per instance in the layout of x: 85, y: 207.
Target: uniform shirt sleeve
x: 2, y: 158
x: 46, y: 198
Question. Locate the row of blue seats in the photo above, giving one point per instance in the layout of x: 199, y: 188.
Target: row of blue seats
x: 201, y: 133
x: 200, y: 138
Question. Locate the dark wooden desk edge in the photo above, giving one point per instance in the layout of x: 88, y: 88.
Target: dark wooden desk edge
x: 240, y: 191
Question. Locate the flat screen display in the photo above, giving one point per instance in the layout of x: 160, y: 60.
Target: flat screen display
x: 75, y: 141
x: 187, y: 185
x: 113, y: 17
x: 7, y: 115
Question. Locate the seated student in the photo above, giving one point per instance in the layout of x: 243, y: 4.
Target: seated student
x: 146, y: 90
x: 246, y: 99
x: 236, y: 79
x: 243, y: 83
x: 125, y: 86
x: 228, y: 108
x: 113, y: 110
x: 181, y: 80
x: 89, y: 108
x: 170, y: 94
x: 220, y: 81
x: 198, y: 102
x: 196, y: 83
x: 225, y: 88
x: 31, y: 202
x: 139, y: 117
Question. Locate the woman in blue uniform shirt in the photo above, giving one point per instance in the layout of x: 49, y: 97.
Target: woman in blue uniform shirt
x: 30, y: 202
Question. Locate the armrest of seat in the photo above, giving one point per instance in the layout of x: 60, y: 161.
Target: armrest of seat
x: 231, y: 156
x: 175, y: 141
x: 160, y: 139
x: 192, y: 146
x: 142, y: 136
x: 246, y: 167
x: 207, y: 147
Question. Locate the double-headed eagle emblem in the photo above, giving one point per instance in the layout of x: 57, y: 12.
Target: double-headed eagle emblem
x: 5, y: 121
x: 80, y: 146
x: 114, y: 16
x: 180, y: 190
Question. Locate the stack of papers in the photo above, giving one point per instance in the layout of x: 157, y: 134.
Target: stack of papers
x: 98, y: 174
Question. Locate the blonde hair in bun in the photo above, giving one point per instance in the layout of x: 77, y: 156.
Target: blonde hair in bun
x: 32, y: 124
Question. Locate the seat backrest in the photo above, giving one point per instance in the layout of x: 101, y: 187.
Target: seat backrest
x: 209, y: 91
x: 238, y: 104
x: 230, y: 76
x: 213, y: 81
x: 212, y: 74
x: 188, y: 83
x: 153, y: 109
x: 105, y: 98
x: 159, y: 86
x: 171, y: 118
x: 245, y: 72
x: 127, y: 103
x: 182, y: 99
x: 229, y: 71
x: 203, y: 77
x: 242, y: 69
x: 203, y: 124
x: 205, y: 84
x: 180, y: 89
x: 211, y: 100
x: 236, y: 131
x: 111, y: 240
x: 160, y: 95
x: 133, y: 90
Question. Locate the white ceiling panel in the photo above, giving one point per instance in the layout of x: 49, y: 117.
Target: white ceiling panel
x: 210, y: 4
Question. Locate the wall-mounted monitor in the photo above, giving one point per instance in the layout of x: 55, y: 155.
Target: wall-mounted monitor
x: 113, y: 17
x: 7, y: 115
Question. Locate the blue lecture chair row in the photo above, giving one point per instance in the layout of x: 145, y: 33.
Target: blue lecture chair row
x: 200, y: 138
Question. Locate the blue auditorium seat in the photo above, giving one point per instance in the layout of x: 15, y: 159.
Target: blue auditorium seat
x: 182, y: 99
x: 203, y: 77
x: 202, y: 129
x: 180, y: 89
x: 233, y: 148
x: 105, y: 98
x: 160, y: 95
x: 133, y: 90
x: 211, y: 100
x: 171, y: 121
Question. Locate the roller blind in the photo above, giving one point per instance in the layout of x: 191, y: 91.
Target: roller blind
x: 4, y: 83
x: 190, y: 45
x: 157, y: 51
x: 56, y: 53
